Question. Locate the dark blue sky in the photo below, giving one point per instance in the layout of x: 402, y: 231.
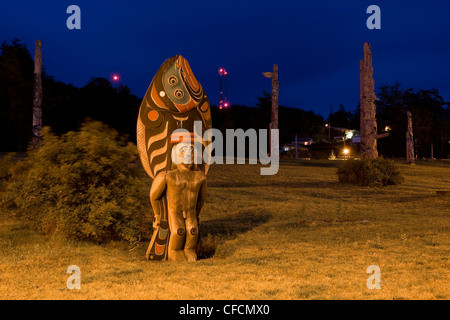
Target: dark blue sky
x: 316, y: 44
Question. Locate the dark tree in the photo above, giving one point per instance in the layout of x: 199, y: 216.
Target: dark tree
x: 64, y: 107
x: 118, y: 108
x: 16, y: 96
x: 292, y: 121
x: 342, y: 118
x: 430, y: 117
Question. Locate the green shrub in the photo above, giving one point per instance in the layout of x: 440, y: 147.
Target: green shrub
x: 370, y: 172
x: 81, y: 185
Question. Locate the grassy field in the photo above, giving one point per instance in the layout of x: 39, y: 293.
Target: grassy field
x: 297, y: 235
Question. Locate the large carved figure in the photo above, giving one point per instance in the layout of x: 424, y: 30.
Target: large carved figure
x: 185, y: 190
x: 174, y: 100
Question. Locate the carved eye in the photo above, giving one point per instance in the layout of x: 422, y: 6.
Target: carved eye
x: 178, y: 94
x: 172, y: 80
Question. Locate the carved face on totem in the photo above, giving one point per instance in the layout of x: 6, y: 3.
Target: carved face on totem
x: 183, y: 153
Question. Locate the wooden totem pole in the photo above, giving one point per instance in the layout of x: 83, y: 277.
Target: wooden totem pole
x: 409, y: 140
x: 274, y: 114
x: 37, y: 96
x: 174, y: 100
x: 368, y: 121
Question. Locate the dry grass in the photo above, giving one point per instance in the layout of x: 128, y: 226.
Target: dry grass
x: 296, y: 235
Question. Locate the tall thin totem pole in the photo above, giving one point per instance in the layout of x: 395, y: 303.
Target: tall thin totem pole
x: 37, y: 96
x: 409, y: 140
x: 368, y: 121
x: 274, y: 118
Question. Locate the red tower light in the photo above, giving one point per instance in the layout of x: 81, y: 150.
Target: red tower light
x: 223, y: 74
x: 115, y: 77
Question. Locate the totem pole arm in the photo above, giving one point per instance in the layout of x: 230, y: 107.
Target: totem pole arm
x: 382, y: 135
x: 201, y: 198
x: 156, y: 193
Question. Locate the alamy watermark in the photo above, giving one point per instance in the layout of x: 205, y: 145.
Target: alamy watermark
x: 374, y: 281
x: 74, y: 281
x: 374, y: 21
x: 214, y: 141
x: 74, y: 20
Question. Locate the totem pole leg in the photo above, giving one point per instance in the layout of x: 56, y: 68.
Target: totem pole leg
x: 191, y: 236
x: 177, y: 237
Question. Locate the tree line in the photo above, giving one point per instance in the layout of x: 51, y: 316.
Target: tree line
x: 65, y: 108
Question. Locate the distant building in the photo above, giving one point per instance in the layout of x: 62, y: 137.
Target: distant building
x: 301, y: 143
x: 356, y: 139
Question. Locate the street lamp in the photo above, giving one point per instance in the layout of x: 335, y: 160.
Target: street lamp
x: 346, y: 152
x: 327, y: 125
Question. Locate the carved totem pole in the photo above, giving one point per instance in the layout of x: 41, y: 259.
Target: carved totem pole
x: 368, y: 121
x: 174, y: 100
x: 409, y: 140
x: 274, y: 112
x: 37, y: 96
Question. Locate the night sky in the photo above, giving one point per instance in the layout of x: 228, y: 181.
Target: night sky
x: 316, y: 44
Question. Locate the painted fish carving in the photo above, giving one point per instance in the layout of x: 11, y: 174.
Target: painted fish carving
x: 174, y: 99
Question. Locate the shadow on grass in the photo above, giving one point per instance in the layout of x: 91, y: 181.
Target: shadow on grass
x: 433, y: 163
x: 416, y: 198
x: 278, y: 184
x: 217, y: 231
x: 310, y: 163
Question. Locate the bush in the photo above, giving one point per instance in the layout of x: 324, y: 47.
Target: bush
x: 81, y: 185
x: 5, y: 166
x: 370, y: 172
